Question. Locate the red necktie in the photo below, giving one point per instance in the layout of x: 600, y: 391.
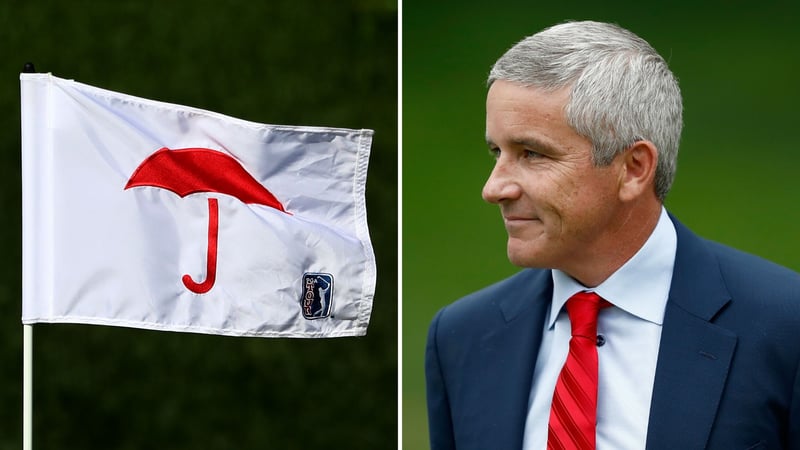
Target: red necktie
x: 573, y: 415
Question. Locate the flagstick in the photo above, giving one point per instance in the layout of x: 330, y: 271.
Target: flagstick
x: 27, y: 360
x: 27, y: 387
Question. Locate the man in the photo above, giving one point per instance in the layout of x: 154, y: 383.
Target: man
x: 691, y: 344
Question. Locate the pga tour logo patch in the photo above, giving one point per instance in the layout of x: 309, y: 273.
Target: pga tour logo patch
x: 317, y: 295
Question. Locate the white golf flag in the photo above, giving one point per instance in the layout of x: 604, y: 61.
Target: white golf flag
x: 151, y: 215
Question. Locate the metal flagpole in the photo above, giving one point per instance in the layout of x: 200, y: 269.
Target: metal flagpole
x: 27, y: 361
x: 27, y: 387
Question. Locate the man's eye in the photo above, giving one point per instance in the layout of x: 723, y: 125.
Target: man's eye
x: 530, y: 154
x: 495, y: 152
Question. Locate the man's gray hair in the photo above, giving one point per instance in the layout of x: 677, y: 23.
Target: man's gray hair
x: 621, y: 89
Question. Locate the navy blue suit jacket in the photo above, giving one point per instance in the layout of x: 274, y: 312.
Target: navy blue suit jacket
x: 728, y: 371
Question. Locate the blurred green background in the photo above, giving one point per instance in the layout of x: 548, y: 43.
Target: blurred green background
x: 297, y: 62
x: 737, y: 63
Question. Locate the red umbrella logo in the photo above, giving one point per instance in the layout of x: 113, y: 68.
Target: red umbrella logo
x: 188, y: 171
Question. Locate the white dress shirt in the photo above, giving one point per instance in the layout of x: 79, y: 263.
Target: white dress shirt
x: 627, y: 361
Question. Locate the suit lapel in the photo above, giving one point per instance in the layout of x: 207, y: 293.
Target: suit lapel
x: 694, y: 355
x: 504, y: 364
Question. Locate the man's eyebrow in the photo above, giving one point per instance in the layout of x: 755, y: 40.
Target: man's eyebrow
x: 529, y: 142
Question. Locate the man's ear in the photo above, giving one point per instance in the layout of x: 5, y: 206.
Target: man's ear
x: 638, y: 171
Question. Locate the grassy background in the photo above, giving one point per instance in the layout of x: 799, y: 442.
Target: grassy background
x: 298, y: 62
x: 738, y: 168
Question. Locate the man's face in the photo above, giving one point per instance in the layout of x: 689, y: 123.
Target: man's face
x: 557, y: 206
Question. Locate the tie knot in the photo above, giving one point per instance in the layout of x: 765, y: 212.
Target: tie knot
x: 582, y: 309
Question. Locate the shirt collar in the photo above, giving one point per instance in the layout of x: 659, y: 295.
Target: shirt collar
x: 640, y: 287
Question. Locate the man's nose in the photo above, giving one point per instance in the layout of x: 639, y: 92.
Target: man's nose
x: 501, y: 185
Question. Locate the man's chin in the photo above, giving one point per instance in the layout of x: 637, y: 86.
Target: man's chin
x: 525, y: 256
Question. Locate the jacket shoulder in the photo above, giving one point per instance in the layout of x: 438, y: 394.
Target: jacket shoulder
x: 500, y: 301
x: 745, y: 273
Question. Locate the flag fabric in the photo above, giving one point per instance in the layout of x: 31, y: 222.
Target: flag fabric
x: 146, y: 214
